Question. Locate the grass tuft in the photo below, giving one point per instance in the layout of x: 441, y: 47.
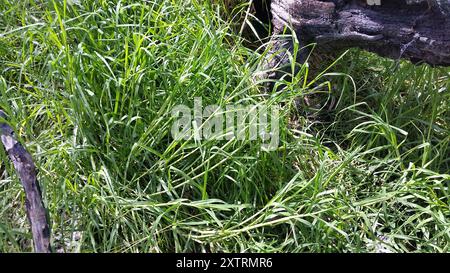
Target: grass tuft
x: 90, y: 86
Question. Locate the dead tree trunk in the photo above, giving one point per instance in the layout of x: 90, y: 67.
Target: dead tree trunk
x: 395, y: 29
x: 24, y: 165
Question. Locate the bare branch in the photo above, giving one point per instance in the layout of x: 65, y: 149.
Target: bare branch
x: 24, y: 165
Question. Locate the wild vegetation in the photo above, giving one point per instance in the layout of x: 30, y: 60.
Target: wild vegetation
x: 89, y: 87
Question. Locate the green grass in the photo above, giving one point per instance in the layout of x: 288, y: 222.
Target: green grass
x: 90, y: 88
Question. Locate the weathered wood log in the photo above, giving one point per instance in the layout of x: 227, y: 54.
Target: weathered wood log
x: 25, y: 168
x: 397, y: 29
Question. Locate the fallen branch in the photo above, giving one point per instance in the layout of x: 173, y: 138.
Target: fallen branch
x: 24, y: 165
x: 396, y: 29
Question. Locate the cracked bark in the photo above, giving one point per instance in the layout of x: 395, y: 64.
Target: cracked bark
x: 395, y: 29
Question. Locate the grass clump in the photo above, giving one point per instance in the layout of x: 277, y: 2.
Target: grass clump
x: 90, y: 86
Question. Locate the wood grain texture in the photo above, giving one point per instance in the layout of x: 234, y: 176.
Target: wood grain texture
x: 395, y: 29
